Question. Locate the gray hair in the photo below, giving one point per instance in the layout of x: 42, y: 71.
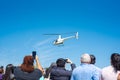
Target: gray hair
x: 85, y: 58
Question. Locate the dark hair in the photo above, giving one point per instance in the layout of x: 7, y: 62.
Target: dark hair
x: 61, y: 62
x: 27, y: 65
x: 48, y: 70
x: 115, y: 61
x: 93, y: 59
x: 1, y: 70
x: 9, y: 70
x: 1, y: 67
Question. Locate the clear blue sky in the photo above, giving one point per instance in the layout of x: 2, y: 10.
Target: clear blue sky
x: 23, y: 23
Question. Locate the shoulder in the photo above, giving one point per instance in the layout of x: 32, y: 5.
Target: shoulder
x: 17, y: 69
x: 97, y: 68
x: 37, y: 71
x: 107, y: 68
x: 77, y: 69
x: 57, y: 69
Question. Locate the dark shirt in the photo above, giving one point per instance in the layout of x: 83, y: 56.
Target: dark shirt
x: 20, y: 75
x: 60, y: 73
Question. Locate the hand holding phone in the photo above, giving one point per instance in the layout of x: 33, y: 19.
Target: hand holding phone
x: 34, y: 54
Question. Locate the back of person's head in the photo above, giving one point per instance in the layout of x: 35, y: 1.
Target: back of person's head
x: 53, y: 64
x: 27, y: 65
x: 60, y: 62
x: 10, y: 68
x: 48, y: 70
x: 93, y: 59
x: 85, y: 58
x: 1, y: 70
x: 115, y: 61
x: 8, y: 72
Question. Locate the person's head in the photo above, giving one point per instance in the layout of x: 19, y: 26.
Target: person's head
x: 85, y: 58
x: 115, y: 61
x: 93, y: 59
x: 48, y: 70
x: 53, y: 65
x: 10, y: 68
x: 1, y: 70
x: 60, y: 62
x: 27, y: 64
x: 8, y: 72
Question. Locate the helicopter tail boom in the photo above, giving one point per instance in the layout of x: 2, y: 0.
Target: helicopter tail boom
x: 76, y: 36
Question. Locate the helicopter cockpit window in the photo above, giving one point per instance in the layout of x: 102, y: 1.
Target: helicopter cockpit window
x: 56, y: 40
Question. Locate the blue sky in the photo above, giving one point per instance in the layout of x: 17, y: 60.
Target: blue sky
x: 23, y: 23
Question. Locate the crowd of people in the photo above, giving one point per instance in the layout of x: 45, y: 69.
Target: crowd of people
x: 31, y: 69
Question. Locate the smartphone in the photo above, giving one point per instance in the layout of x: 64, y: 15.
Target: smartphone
x: 34, y: 54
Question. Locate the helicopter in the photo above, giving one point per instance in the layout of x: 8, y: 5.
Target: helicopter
x: 61, y: 40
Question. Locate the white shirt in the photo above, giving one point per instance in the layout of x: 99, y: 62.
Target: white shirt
x: 108, y: 73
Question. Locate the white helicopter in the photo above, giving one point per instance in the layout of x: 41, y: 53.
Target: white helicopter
x: 61, y: 40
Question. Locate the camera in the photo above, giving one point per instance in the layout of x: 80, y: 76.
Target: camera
x: 66, y: 60
x: 34, y: 54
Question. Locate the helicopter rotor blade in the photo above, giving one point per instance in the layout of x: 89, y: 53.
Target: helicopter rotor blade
x: 60, y: 33
x: 68, y: 33
x: 51, y: 34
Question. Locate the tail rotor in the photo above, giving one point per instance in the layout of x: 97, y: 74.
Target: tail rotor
x: 76, y: 36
